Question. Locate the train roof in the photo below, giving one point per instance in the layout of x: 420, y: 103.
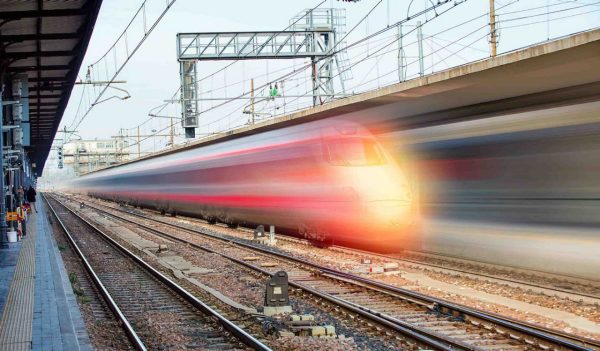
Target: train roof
x: 257, y: 128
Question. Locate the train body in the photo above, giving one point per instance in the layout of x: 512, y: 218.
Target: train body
x: 329, y: 181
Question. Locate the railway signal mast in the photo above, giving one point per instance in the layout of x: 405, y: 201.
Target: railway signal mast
x: 313, y: 34
x: 62, y: 142
x: 59, y: 153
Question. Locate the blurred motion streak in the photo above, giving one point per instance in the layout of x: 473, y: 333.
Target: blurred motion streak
x: 518, y: 189
x: 521, y: 189
x: 329, y: 181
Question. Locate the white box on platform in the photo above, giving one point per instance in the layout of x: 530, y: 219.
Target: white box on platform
x: 12, y: 236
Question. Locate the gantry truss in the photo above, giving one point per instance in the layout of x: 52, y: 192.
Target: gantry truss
x: 254, y: 45
x: 314, y: 38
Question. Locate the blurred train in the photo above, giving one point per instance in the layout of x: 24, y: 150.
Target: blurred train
x: 519, y: 189
x: 328, y: 181
x: 537, y: 168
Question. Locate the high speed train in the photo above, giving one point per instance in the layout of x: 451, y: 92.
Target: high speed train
x: 328, y: 181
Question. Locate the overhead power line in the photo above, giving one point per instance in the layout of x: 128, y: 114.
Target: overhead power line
x: 122, y: 42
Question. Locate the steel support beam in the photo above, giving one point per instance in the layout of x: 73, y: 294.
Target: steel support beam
x: 53, y: 110
x: 27, y: 54
x: 35, y: 103
x: 34, y: 68
x: 13, y: 15
x: 47, y: 79
x: 47, y: 96
x: 49, y: 88
x: 43, y: 36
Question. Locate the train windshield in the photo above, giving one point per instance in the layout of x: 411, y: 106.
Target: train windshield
x: 354, y: 152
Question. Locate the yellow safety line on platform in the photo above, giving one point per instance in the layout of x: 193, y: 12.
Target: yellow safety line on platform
x: 16, y: 322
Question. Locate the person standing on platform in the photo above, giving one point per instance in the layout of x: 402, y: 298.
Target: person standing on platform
x: 20, y: 196
x: 31, y: 197
x: 21, y: 212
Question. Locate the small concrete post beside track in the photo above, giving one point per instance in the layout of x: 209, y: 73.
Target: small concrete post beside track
x: 272, y: 240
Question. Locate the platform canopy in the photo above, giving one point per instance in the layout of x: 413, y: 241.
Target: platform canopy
x: 46, y: 40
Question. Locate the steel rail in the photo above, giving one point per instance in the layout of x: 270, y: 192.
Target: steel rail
x: 467, y: 271
x: 563, y: 340
x: 236, y: 331
x: 131, y: 334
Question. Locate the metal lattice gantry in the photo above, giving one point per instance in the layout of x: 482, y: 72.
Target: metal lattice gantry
x: 254, y: 45
x: 313, y: 37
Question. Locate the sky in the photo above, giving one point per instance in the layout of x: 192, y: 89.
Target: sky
x: 452, y: 38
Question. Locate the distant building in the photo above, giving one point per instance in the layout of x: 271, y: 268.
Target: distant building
x: 88, y: 155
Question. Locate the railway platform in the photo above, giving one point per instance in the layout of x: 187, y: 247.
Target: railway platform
x: 38, y: 308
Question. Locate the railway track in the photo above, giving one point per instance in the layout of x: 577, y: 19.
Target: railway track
x: 104, y: 329
x: 368, y: 325
x: 574, y: 288
x: 454, y: 326
x: 548, y: 283
x: 154, y: 312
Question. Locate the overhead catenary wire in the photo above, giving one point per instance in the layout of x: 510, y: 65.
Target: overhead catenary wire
x: 308, y: 65
x: 425, y: 56
x: 350, y: 45
x: 238, y: 60
x: 392, y: 50
x: 356, y: 25
x: 476, y: 40
x: 549, y: 12
x: 276, y: 71
x: 222, y: 69
x: 563, y: 3
x: 360, y: 55
x: 445, y: 30
x: 381, y: 31
x: 550, y: 20
x: 293, y: 74
x: 463, y: 47
x: 438, y: 4
x: 147, y: 33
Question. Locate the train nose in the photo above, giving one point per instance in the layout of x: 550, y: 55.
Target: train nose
x: 392, y: 213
